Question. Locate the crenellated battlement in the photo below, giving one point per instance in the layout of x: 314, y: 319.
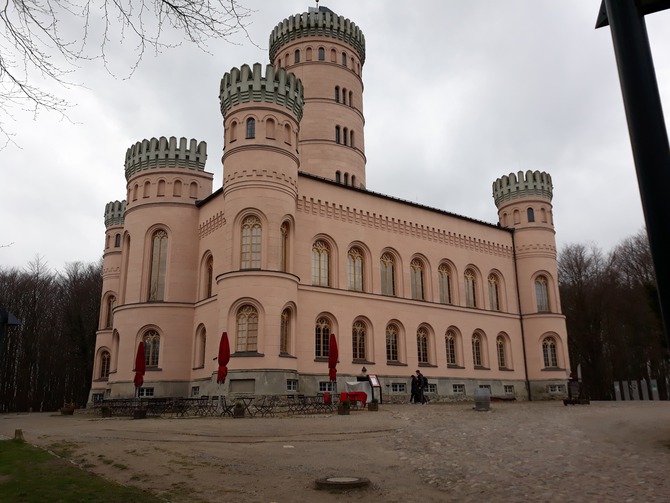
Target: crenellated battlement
x: 321, y: 22
x: 244, y: 85
x: 164, y: 153
x: 528, y: 184
x: 114, y: 213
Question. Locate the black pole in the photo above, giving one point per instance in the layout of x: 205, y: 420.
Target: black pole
x: 648, y: 135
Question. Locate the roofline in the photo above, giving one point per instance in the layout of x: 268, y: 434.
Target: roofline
x: 403, y: 201
x: 202, y: 202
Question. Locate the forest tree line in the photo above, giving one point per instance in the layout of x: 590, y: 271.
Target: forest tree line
x: 609, y: 299
x: 48, y: 360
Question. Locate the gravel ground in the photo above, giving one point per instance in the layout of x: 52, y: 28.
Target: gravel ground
x: 516, y: 452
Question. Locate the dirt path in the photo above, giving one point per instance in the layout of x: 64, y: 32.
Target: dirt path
x: 517, y: 452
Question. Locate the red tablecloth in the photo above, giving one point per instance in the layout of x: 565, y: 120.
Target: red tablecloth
x: 354, y: 396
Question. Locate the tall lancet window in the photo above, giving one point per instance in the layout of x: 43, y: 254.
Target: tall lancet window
x: 159, y: 242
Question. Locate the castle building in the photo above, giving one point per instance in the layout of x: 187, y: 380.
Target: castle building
x: 294, y: 247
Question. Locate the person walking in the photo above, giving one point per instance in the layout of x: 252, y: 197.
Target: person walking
x: 422, y: 387
x: 414, y: 388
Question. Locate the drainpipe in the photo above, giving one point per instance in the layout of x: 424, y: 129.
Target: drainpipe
x: 523, y: 336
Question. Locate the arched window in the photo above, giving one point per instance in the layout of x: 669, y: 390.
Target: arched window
x: 201, y: 344
x: 322, y: 338
x: 247, y: 328
x: 105, y: 359
x: 270, y: 128
x: 337, y: 94
x: 531, y: 214
x: 355, y: 269
x: 147, y: 187
x: 111, y: 304
x: 251, y: 243
x: 345, y: 136
x: 322, y: 54
x: 450, y: 343
x: 470, y: 291
x: 333, y: 56
x: 251, y: 128
x: 477, y: 350
x: 117, y: 240
x: 152, y: 344
x: 422, y: 344
x: 549, y: 352
x: 287, y: 134
x: 353, y: 181
x: 392, y: 343
x: 504, y: 220
x: 285, y: 331
x: 387, y: 265
x: 176, y: 188
x: 346, y: 179
x: 344, y: 96
x: 517, y: 217
x: 159, y: 243
x: 416, y: 279
x: 444, y: 281
x: 541, y: 294
x: 338, y: 177
x: 500, y: 346
x: 344, y: 58
x: 297, y: 56
x: 193, y: 190
x: 337, y: 134
x: 358, y: 340
x: 135, y: 189
x: 494, y: 292
x: 351, y: 138
x: 308, y: 55
x: 543, y: 215
x: 233, y: 132
x: 283, y: 247
x: 320, y: 259
x: 209, y: 276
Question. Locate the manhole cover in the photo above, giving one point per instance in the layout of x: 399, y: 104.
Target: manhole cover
x: 342, y: 482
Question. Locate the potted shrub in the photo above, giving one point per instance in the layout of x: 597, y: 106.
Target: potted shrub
x: 344, y: 408
x: 373, y: 406
x: 68, y: 409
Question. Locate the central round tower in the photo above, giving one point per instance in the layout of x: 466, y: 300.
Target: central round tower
x: 327, y: 53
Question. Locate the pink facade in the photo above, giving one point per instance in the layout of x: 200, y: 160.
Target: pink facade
x: 294, y: 247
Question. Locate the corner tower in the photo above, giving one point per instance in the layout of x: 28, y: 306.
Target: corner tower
x: 327, y: 53
x: 524, y: 204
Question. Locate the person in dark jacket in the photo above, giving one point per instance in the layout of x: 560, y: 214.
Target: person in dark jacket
x: 414, y: 397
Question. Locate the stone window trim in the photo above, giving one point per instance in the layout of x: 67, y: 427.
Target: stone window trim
x: 506, y: 369
x: 454, y: 366
x: 321, y: 359
x: 198, y: 367
x: 287, y: 355
x: 552, y: 369
x: 396, y: 364
x: 481, y: 367
x: 244, y: 354
x: 363, y: 361
x: 428, y: 365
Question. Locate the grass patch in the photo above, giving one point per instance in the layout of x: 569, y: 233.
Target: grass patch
x: 31, y: 475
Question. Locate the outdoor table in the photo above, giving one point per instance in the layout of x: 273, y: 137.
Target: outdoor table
x: 246, y: 403
x: 354, y: 397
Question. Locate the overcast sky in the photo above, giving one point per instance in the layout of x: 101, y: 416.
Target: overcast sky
x: 456, y: 95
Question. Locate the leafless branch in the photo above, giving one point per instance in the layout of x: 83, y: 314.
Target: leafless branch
x: 46, y: 40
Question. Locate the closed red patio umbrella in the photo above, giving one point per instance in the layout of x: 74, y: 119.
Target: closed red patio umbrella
x: 140, y: 366
x: 333, y: 355
x: 224, y: 358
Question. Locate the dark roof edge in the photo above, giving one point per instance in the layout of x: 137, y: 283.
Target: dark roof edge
x: 202, y: 202
x: 403, y: 201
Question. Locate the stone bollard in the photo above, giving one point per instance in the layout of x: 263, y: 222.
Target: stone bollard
x: 18, y: 435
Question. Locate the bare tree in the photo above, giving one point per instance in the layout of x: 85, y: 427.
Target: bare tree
x: 43, y: 41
